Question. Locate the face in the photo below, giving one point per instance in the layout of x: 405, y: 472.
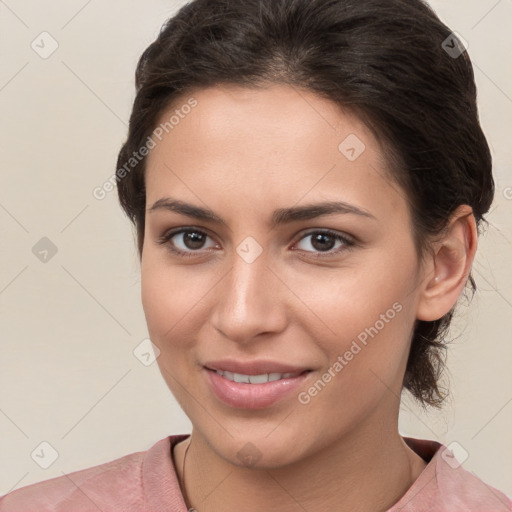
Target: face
x: 266, y: 284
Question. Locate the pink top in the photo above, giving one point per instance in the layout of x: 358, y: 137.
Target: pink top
x: 146, y: 482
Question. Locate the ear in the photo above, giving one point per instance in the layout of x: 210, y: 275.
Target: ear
x: 447, y: 268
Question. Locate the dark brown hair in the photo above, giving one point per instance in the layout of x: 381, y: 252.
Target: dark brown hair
x: 392, y: 62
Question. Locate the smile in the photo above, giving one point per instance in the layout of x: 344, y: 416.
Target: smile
x: 256, y: 379
x: 243, y: 391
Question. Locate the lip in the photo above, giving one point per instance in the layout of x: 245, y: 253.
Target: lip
x: 256, y: 367
x: 252, y: 396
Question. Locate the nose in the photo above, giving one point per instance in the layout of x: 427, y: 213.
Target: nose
x: 250, y: 301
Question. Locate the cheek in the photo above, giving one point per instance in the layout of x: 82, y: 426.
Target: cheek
x: 367, y: 313
x: 365, y: 358
x: 350, y: 300
x: 163, y: 295
x: 367, y: 334
x: 173, y: 300
x: 168, y: 308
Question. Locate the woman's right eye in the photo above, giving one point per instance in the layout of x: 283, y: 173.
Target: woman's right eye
x: 184, y: 241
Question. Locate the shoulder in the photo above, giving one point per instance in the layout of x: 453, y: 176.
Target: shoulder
x: 460, y: 489
x: 114, y: 485
x: 445, y: 486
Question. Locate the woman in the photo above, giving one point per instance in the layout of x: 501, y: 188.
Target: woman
x: 307, y: 179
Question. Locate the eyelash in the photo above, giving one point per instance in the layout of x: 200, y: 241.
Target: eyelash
x: 348, y: 243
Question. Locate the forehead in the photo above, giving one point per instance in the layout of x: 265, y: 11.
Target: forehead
x: 277, y: 144
x: 274, y: 116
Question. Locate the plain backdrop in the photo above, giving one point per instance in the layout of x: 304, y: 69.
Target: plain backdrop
x: 71, y: 317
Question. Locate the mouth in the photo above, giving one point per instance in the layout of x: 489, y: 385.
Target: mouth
x: 254, y: 368
x: 261, y: 378
x: 253, y: 388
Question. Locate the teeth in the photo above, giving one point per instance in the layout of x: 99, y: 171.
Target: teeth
x: 258, y: 379
x: 229, y: 375
x: 255, y: 379
x: 238, y: 377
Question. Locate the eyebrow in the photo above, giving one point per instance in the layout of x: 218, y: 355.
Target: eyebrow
x: 279, y: 216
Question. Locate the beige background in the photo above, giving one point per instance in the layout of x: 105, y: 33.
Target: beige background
x: 68, y: 375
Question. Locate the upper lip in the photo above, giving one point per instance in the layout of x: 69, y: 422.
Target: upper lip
x: 256, y: 367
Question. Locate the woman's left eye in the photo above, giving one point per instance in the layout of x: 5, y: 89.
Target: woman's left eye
x: 324, y: 241
x: 192, y: 241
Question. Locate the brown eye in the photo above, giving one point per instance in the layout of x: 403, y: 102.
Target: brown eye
x: 193, y: 239
x: 185, y: 241
x: 322, y: 241
x: 325, y: 241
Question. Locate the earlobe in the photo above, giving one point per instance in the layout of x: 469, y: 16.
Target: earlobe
x: 452, y: 257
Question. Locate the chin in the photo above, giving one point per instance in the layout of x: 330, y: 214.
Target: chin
x: 259, y: 451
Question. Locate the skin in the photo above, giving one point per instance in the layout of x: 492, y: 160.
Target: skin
x: 244, y: 153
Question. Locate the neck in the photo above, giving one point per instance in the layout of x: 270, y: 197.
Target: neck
x: 361, y: 472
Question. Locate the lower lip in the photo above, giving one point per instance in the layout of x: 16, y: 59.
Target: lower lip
x: 252, y: 396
